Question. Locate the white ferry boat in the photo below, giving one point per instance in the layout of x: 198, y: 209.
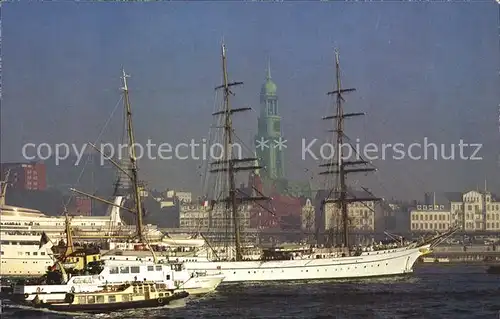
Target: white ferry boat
x: 112, y: 273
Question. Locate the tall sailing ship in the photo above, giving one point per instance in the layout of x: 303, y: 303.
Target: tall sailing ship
x: 279, y: 264
x: 237, y: 265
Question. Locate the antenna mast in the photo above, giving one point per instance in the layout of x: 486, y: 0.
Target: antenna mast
x: 341, y: 192
x: 133, y: 158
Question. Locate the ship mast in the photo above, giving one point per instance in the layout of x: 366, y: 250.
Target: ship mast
x: 341, y: 195
x: 133, y: 158
x: 132, y: 175
x: 233, y: 199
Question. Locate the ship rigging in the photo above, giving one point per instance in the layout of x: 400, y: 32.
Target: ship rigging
x: 340, y: 194
x: 230, y: 164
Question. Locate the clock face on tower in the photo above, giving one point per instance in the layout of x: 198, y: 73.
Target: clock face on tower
x: 276, y: 126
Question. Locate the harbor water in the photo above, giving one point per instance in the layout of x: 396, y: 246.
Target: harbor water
x: 433, y: 291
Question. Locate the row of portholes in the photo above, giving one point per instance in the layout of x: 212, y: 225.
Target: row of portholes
x: 385, y: 251
x: 378, y: 265
x: 33, y: 262
x: 149, y: 259
x: 15, y: 272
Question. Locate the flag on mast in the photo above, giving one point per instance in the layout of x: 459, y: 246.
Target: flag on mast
x: 43, y: 240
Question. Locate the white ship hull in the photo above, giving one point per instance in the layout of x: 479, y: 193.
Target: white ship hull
x: 391, y: 262
x: 24, y: 259
x: 202, y: 285
x: 382, y: 263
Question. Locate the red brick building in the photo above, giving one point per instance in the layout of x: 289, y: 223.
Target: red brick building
x: 26, y: 176
x: 281, y: 212
x: 80, y: 206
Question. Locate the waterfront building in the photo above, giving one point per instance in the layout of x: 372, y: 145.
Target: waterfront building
x: 473, y: 211
x: 430, y: 218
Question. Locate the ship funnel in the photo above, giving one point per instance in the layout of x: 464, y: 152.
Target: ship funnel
x: 114, y: 211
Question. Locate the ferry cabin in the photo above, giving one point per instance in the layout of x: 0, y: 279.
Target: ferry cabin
x: 81, y: 258
x: 138, y: 295
x: 133, y: 292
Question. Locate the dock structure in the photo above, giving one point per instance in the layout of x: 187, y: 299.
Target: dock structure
x: 465, y: 254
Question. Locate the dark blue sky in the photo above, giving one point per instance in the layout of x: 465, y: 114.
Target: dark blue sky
x: 420, y: 69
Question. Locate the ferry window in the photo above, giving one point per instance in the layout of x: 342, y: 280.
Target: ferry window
x: 135, y: 270
x: 168, y: 277
x: 100, y: 299
x: 82, y: 300
x: 124, y: 270
x: 2, y: 252
x: 90, y: 299
x: 42, y: 253
x: 113, y: 270
x: 27, y: 253
x: 111, y: 298
x: 35, y: 253
x: 151, y: 268
x: 158, y: 268
x: 125, y: 298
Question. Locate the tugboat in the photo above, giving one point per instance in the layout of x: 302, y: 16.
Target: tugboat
x: 130, y: 296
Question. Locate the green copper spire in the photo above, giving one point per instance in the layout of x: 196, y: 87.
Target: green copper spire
x: 268, y: 69
x: 269, y: 88
x: 269, y: 129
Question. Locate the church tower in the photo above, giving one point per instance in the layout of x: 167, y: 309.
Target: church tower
x: 269, y: 129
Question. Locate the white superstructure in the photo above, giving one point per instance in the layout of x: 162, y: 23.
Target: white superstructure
x: 21, y: 229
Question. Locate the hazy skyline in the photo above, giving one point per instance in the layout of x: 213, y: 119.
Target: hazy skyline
x: 420, y: 70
